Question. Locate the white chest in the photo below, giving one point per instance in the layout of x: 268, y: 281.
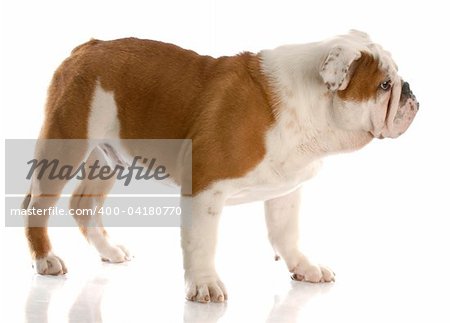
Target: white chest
x: 291, y: 159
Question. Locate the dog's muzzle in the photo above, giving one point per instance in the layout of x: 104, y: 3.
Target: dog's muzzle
x: 403, y: 107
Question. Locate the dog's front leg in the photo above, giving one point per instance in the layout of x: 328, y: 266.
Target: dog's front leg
x: 282, y: 224
x: 198, y: 239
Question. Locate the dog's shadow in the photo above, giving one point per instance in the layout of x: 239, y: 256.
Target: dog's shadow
x: 203, y: 313
x: 85, y: 308
x: 287, y: 308
x: 39, y: 297
x: 83, y: 311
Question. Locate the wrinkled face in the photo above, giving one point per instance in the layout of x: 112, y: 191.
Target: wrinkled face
x: 367, y: 93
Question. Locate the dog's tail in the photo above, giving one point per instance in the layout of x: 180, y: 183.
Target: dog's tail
x: 26, y: 201
x: 83, y: 46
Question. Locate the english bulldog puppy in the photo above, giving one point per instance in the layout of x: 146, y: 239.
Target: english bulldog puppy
x: 259, y: 123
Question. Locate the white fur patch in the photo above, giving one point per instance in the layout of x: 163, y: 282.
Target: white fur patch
x: 199, y: 239
x: 334, y: 70
x: 103, y: 122
x: 107, y: 250
x: 50, y: 265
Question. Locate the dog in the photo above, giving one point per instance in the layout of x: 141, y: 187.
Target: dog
x: 259, y: 124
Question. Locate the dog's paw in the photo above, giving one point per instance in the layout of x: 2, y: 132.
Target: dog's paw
x: 50, y: 265
x: 115, y: 254
x: 313, y: 273
x: 206, y: 290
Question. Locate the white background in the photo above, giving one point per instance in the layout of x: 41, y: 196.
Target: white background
x: 378, y: 217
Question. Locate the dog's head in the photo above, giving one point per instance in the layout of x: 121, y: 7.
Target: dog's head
x: 367, y: 93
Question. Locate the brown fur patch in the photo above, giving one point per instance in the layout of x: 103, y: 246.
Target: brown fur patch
x: 68, y: 100
x: 38, y: 241
x: 84, y: 230
x: 365, y: 79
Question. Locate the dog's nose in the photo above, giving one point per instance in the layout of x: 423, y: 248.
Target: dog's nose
x: 405, y: 89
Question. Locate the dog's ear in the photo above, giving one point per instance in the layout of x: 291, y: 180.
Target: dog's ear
x: 336, y: 69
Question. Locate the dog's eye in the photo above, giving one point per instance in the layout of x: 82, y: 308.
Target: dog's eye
x: 386, y: 85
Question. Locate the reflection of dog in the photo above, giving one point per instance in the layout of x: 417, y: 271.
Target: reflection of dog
x: 259, y: 124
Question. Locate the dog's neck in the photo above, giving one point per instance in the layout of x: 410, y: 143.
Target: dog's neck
x: 304, y: 105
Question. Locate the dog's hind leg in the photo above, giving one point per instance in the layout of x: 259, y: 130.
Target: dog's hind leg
x: 63, y: 137
x: 86, y: 203
x: 43, y: 194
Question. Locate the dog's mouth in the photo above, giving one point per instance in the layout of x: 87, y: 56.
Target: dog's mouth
x: 402, y: 109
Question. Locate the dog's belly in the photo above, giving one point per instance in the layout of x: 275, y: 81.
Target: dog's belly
x: 260, y: 185
x: 261, y: 193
